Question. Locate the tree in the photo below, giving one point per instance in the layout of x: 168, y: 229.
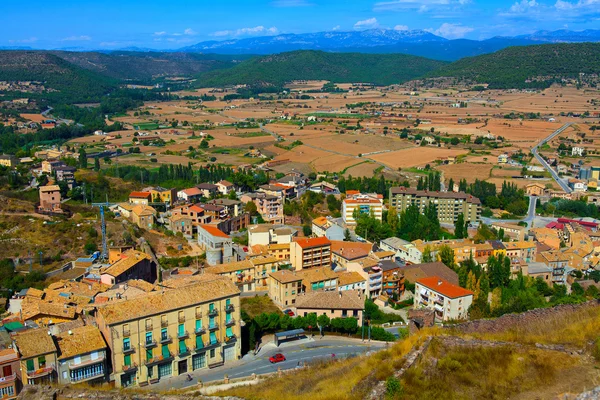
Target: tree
x: 459, y: 226
x: 96, y: 164
x: 499, y: 270
x: 232, y: 195
x: 83, y: 162
x: 446, y: 255
x: 427, y: 255
x: 251, y: 208
x: 311, y: 321
x: 347, y: 236
x: 306, y: 229
x: 392, y: 219
x: 323, y: 321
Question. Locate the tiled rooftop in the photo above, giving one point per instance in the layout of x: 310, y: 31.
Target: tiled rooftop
x: 79, y: 341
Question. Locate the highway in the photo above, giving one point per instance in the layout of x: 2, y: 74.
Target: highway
x: 299, y: 352
x: 536, y: 154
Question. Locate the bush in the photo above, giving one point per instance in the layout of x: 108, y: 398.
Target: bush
x: 153, y: 160
x: 378, y: 333
x: 393, y: 387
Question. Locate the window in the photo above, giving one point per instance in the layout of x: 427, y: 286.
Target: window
x: 227, y: 302
x: 181, y: 329
x: 211, y: 322
x: 42, y: 362
x: 149, y: 355
x: 126, y: 330
x: 182, y: 347
x: 126, y: 344
x: 127, y: 360
x: 165, y: 351
x: 229, y: 332
x: 30, y: 366
x: 212, y: 353
x: 150, y: 372
x: 148, y: 337
x: 199, y: 343
x: 213, y: 338
x: 198, y: 324
x: 163, y: 334
x: 355, y: 313
x: 211, y: 306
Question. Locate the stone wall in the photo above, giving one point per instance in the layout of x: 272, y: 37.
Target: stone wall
x: 511, y: 321
x: 419, y: 319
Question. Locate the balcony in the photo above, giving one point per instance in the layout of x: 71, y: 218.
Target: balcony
x: 185, y: 352
x: 230, y: 339
x: 183, y: 335
x: 198, y: 314
x: 213, y: 313
x: 150, y: 343
x: 130, y: 369
x: 8, y: 379
x: 86, y: 363
x: 213, y: 327
x: 229, y: 308
x: 181, y: 319
x: 159, y: 359
x: 39, y: 373
x: 126, y: 333
x: 200, y: 348
x: 200, y: 331
x: 149, y: 327
x: 87, y: 375
x: 129, y: 349
x: 164, y: 324
x: 166, y: 339
x: 211, y: 345
x: 230, y: 322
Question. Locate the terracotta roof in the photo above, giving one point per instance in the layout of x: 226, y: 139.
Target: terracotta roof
x: 519, y: 245
x: 141, y: 284
x: 139, y: 195
x: 229, y: 267
x: 224, y: 183
x: 8, y: 355
x: 133, y: 258
x: 35, y: 293
x: 156, y: 303
x: 438, y: 269
x: 381, y: 254
x: 285, y: 276
x: 31, y: 308
x: 34, y: 342
x: 143, y: 210
x: 312, y: 242
x: 192, y: 191
x: 320, y: 221
x: 312, y: 275
x: 444, y: 287
x: 351, y: 250
x: 196, y: 208
x: 214, y: 231
x: 348, y: 278
x: 80, y: 341
x: 331, y: 300
x: 50, y: 188
x: 126, y: 206
x: 263, y: 260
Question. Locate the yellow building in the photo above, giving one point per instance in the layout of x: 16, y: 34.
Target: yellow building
x: 38, y: 354
x: 284, y: 287
x: 8, y: 161
x: 171, y: 332
x: 162, y: 195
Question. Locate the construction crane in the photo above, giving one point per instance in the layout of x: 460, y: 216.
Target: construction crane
x: 103, y: 226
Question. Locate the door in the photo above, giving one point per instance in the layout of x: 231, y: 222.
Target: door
x: 7, y: 370
x: 229, y: 353
x: 182, y: 367
x: 164, y: 370
x: 198, y: 361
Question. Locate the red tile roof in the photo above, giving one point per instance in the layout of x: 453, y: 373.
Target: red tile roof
x: 139, y: 195
x: 444, y: 287
x: 213, y: 230
x: 192, y: 191
x: 313, y: 242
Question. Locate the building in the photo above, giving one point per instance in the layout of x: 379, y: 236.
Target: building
x: 208, y: 189
x: 334, y: 304
x: 8, y: 161
x: 413, y: 273
x: 449, y: 301
x: 521, y: 250
x: 143, y: 216
x: 233, y: 208
x: 224, y: 187
x: 539, y: 270
x: 162, y: 195
x: 326, y: 226
x: 393, y: 279
x: 50, y: 199
x: 189, y: 195
x: 352, y: 281
x: 577, y: 185
x: 195, y: 212
x: 370, y: 204
x: 372, y: 274
x: 513, y: 231
x: 558, y: 261
x: 403, y: 249
x: 268, y: 206
x: 577, y: 151
x: 140, y: 198
x: 249, y: 275
x: 266, y: 234
x: 217, y: 245
x: 82, y: 356
x: 171, y: 332
x: 181, y: 224
x: 502, y: 158
x: 284, y: 287
x: 10, y: 374
x: 343, y: 253
x: 38, y: 355
x: 449, y: 204
x: 132, y: 265
x: 65, y: 174
x: 535, y: 189
x: 48, y: 166
x: 310, y: 253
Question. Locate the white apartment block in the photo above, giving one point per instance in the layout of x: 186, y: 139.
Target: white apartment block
x: 450, y: 302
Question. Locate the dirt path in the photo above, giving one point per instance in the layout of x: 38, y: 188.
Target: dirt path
x: 22, y: 214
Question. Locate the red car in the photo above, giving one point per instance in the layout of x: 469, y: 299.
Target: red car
x: 277, y: 358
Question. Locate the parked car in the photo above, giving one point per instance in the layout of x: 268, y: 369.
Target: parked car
x: 289, y: 312
x: 277, y: 358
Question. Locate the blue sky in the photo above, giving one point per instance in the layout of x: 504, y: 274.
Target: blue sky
x: 109, y: 24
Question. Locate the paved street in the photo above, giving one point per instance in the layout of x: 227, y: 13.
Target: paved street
x: 300, y: 351
x: 534, y: 151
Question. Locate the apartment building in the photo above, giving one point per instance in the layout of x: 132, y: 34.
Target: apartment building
x: 193, y: 211
x: 449, y: 302
x: 370, y: 204
x: 140, y: 198
x: 513, y: 231
x: 352, y: 281
x: 50, y: 199
x: 403, y: 249
x: 132, y: 264
x: 558, y: 261
x: 249, y: 275
x: 217, y: 245
x: 336, y: 304
x: 266, y: 234
x: 373, y: 275
x: 189, y: 195
x: 178, y: 330
x: 270, y: 207
x: 522, y: 250
x: 8, y: 161
x: 327, y: 226
x: 82, y: 356
x: 449, y: 204
x: 310, y: 253
x: 284, y: 287
x: 38, y: 354
x: 393, y: 279
x: 10, y: 374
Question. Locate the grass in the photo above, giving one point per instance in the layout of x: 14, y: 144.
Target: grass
x: 334, y: 115
x: 225, y: 150
x: 251, y: 134
x: 256, y: 305
x: 146, y: 126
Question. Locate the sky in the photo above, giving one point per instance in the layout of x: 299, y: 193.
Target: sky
x: 112, y: 24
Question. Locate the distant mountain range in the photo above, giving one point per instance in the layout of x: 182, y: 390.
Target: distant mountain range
x: 415, y: 42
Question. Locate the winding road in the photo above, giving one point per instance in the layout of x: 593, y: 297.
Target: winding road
x: 536, y: 154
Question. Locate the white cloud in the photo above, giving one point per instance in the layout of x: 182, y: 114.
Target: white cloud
x: 189, y: 32
x: 336, y: 28
x: 161, y: 33
x: 81, y: 38
x: 290, y: 3
x: 451, y: 31
x: 523, y: 7
x: 401, y: 28
x: 28, y: 40
x: 420, y: 5
x: 580, y: 7
x: 257, y: 30
x: 366, y: 24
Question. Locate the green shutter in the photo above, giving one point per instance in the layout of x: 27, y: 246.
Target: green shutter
x: 213, y: 338
x: 149, y: 354
x: 182, y: 348
x: 315, y: 286
x: 229, y: 332
x: 165, y: 351
x: 211, y: 322
x: 126, y: 344
x: 211, y: 306
x: 181, y: 329
x: 227, y: 302
x: 127, y: 360
x: 30, y: 366
x: 199, y: 343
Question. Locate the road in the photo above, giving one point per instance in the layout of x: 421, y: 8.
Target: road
x: 536, y: 154
x: 299, y: 352
x: 529, y: 218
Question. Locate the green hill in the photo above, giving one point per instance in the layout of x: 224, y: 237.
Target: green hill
x: 526, y: 66
x: 381, y: 69
x: 62, y: 80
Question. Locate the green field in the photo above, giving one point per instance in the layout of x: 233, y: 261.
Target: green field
x: 146, y: 126
x: 251, y: 134
x: 334, y: 115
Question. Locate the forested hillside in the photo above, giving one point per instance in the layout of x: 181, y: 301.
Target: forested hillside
x: 526, y: 66
x: 381, y: 69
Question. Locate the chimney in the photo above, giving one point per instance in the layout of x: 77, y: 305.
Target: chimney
x: 439, y: 282
x: 340, y: 294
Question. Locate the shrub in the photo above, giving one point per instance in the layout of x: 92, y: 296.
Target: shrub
x: 393, y: 387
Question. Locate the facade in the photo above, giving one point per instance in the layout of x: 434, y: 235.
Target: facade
x: 217, y: 245
x: 404, y: 250
x: 352, y: 281
x: 143, y: 216
x: 132, y: 265
x: 224, y: 187
x: 162, y: 195
x: 140, y: 198
x: 370, y: 204
x: 65, y: 174
x: 170, y: 333
x: 334, y: 304
x: 449, y: 302
x: 284, y: 287
x: 207, y: 189
x: 325, y: 226
x: 513, y: 231
x: 310, y: 253
x: 8, y: 161
x: 449, y: 204
x: 194, y: 212
x: 577, y: 185
x: 522, y: 250
x: 38, y: 354
x: 50, y: 198
x: 539, y: 270
x: 270, y: 207
x: 180, y: 223
x: 266, y: 234
x: 393, y: 279
x: 373, y: 276
x: 535, y: 189
x: 82, y: 356
x: 10, y: 374
x: 189, y: 195
x: 558, y: 262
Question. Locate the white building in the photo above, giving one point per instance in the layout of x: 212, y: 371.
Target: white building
x: 450, y: 302
x: 404, y: 250
x: 217, y: 245
x: 364, y: 203
x: 327, y: 227
x: 266, y: 234
x: 577, y: 151
x: 577, y: 185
